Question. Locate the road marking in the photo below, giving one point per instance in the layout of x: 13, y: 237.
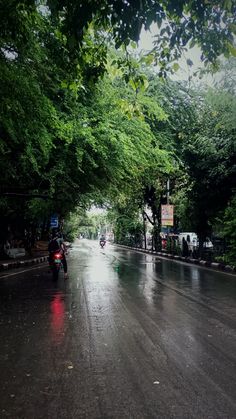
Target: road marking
x: 21, y: 272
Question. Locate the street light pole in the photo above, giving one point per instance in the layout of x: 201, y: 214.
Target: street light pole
x: 168, y: 199
x: 168, y: 192
x: 144, y: 231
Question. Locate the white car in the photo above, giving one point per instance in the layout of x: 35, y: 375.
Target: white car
x: 191, y: 239
x: 208, y: 244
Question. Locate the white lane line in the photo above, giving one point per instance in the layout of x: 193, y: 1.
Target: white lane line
x: 21, y: 272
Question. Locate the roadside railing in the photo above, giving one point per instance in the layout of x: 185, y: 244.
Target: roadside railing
x: 172, y: 247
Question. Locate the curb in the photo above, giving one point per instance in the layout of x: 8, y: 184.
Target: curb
x: 20, y: 263
x: 213, y: 265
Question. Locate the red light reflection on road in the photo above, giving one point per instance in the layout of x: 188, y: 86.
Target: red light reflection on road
x: 57, y: 317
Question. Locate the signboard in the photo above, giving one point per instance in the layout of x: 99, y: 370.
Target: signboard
x: 54, y: 221
x: 167, y: 215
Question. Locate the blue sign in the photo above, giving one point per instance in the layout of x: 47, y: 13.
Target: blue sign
x: 54, y: 222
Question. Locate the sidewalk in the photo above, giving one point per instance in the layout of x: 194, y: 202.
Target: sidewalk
x: 38, y: 256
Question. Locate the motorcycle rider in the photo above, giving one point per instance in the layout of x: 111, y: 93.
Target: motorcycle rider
x: 57, y: 244
x: 102, y: 239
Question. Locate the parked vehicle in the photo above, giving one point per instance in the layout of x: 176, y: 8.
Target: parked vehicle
x: 191, y: 239
x: 208, y: 244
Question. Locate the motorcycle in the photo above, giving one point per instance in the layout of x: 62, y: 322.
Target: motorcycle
x: 55, y: 261
x: 102, y: 243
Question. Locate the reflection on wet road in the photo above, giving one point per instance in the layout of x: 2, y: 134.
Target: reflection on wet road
x: 126, y: 336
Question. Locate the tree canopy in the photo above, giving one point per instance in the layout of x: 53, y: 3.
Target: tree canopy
x: 210, y: 24
x: 82, y: 121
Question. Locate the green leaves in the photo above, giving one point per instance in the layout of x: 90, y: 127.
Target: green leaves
x: 209, y: 155
x: 175, y: 66
x: 232, y: 49
x: 227, y: 4
x: 139, y: 82
x: 228, y: 231
x: 180, y: 23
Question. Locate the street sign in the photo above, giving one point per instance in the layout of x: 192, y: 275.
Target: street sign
x: 54, y: 221
x: 167, y: 215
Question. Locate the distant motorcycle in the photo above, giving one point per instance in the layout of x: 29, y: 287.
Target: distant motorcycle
x: 102, y: 243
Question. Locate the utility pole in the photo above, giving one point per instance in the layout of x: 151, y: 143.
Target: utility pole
x: 168, y: 192
x: 168, y: 199
x: 144, y: 231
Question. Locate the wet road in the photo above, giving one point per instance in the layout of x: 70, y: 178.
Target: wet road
x: 126, y: 336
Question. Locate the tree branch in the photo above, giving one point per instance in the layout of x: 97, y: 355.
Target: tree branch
x: 150, y: 221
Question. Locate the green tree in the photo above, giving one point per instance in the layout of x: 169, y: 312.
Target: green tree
x: 209, y: 158
x: 76, y: 122
x: 228, y: 231
x: 207, y: 24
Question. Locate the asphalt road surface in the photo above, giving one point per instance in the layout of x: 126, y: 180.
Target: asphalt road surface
x: 128, y: 335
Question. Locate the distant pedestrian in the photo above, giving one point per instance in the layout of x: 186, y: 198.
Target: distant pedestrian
x: 185, y: 248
